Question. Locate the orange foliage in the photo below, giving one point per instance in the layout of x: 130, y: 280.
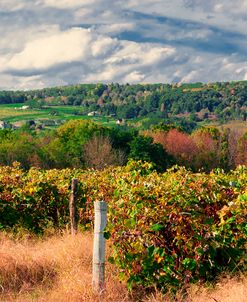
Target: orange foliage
x: 99, y: 153
x: 241, y: 157
x: 181, y: 146
x: 158, y: 137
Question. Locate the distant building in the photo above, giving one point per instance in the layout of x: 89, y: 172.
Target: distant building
x: 93, y: 113
x: 3, y: 125
x: 120, y: 121
x: 25, y: 107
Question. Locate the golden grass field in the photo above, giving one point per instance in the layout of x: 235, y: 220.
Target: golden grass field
x: 235, y: 126
x: 12, y: 113
x: 58, y: 269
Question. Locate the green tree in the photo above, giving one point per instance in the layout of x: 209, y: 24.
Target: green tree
x: 143, y: 148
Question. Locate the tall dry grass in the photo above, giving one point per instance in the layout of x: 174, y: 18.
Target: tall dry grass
x: 58, y: 269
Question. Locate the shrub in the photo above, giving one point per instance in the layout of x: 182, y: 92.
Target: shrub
x: 178, y: 226
x: 165, y: 229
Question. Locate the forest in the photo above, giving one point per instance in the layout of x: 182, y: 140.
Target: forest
x: 178, y: 126
x: 184, y: 104
x: 86, y: 144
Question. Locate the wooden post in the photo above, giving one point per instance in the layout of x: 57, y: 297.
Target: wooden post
x: 72, y: 206
x: 100, y: 220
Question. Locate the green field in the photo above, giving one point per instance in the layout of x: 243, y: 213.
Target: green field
x: 13, y: 113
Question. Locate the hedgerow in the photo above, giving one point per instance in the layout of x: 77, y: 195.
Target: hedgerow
x: 164, y: 229
x: 178, y: 227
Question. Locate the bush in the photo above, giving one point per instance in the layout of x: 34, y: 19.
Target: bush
x: 165, y: 229
x: 178, y: 227
x: 35, y: 199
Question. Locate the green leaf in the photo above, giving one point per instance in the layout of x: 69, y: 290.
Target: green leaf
x: 111, y: 260
x: 157, y: 227
x: 107, y: 235
x: 150, y: 250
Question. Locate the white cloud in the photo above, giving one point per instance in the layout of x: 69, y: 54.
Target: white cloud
x: 63, y: 47
x: 141, y: 53
x: 68, y: 3
x: 115, y: 28
x: 193, y: 33
x: 58, y: 42
x: 13, y: 40
x: 97, y: 58
x: 130, y: 62
x: 192, y: 76
x: 227, y: 14
x: 134, y: 77
x: 103, y: 46
x: 230, y: 7
x: 15, y: 5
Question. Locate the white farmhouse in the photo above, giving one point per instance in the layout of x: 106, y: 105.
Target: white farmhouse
x: 3, y: 125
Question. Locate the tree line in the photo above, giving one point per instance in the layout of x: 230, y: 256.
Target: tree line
x: 222, y: 100
x: 84, y: 144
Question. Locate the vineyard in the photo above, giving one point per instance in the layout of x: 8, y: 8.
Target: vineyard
x: 171, y: 228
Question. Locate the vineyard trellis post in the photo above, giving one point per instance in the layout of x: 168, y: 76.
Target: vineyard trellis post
x: 100, y: 220
x: 73, y: 206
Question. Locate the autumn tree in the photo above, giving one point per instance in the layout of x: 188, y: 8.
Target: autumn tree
x: 241, y: 156
x: 181, y: 146
x: 207, y: 155
x: 99, y: 153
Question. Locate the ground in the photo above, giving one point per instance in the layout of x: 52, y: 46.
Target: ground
x: 58, y: 268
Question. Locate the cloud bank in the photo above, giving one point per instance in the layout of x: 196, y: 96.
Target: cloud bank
x: 59, y: 42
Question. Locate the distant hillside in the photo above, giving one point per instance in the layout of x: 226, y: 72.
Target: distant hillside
x: 196, y: 102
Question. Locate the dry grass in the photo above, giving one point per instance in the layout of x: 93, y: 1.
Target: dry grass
x: 58, y: 269
x: 227, y: 290
x: 235, y: 126
x: 55, y: 269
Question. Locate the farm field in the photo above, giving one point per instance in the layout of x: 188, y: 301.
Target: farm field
x: 13, y: 113
x: 235, y: 126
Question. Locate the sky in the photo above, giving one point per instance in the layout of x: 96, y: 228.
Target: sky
x: 48, y: 43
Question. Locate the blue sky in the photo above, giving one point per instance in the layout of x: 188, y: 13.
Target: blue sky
x: 59, y: 42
